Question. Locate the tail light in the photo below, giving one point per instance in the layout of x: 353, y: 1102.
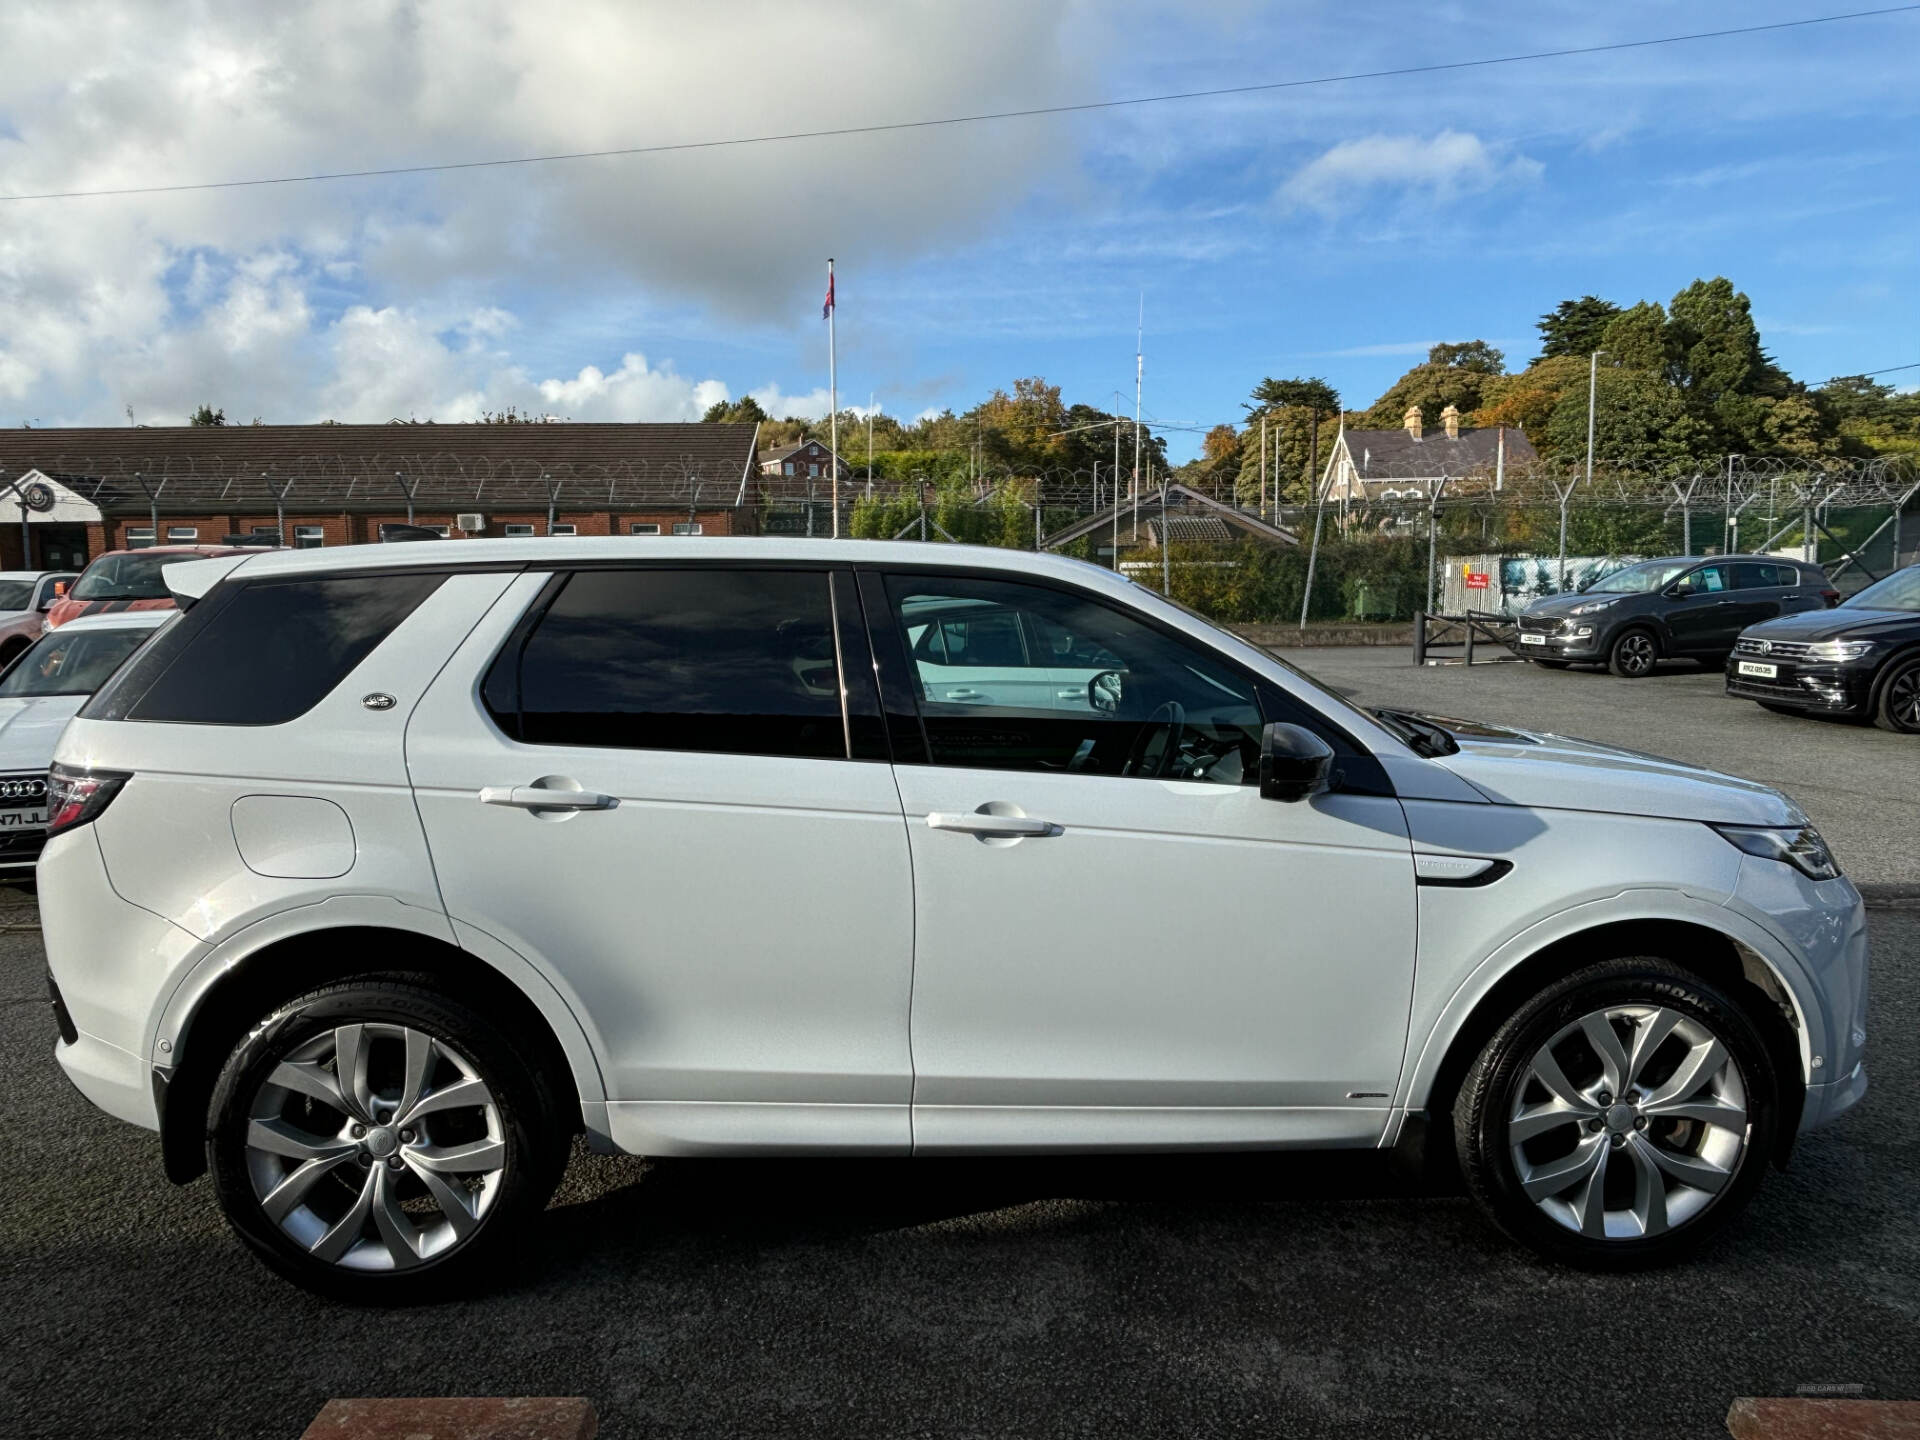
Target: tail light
x: 75, y: 797
x: 1832, y: 597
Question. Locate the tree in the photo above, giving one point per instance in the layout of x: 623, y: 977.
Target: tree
x: 1308, y: 394
x: 1222, y: 442
x: 1526, y: 401
x: 1639, y: 420
x: 1575, y: 327
x: 1476, y: 355
x: 207, y: 415
x: 1456, y: 375
x: 1637, y: 338
x: 744, y: 411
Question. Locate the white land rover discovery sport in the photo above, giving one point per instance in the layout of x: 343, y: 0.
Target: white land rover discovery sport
x: 379, y: 873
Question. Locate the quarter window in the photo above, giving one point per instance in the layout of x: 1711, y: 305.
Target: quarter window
x: 1024, y: 677
x: 263, y: 653
x: 731, y: 661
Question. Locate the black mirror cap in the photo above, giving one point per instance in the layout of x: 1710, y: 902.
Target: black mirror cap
x: 1295, y: 763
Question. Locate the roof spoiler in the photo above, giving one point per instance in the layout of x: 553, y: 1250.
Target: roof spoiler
x: 190, y: 580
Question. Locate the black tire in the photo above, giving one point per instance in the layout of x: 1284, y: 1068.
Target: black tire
x: 524, y: 1129
x: 1502, y: 1079
x: 1633, y: 654
x: 1899, y: 707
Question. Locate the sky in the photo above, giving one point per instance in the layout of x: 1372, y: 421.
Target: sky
x: 1334, y: 230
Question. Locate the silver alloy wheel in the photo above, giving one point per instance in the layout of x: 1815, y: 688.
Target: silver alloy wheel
x: 375, y: 1147
x: 1635, y: 1083
x: 1636, y: 652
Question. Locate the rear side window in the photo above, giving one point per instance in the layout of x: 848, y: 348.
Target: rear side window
x: 1755, y: 576
x: 738, y: 662
x: 261, y: 653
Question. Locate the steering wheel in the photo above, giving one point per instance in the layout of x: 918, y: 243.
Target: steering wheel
x: 1169, y: 718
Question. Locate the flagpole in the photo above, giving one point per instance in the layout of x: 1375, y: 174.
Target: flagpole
x: 833, y: 401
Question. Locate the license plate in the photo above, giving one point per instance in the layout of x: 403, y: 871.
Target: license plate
x: 23, y: 819
x: 1533, y: 639
x: 1759, y: 671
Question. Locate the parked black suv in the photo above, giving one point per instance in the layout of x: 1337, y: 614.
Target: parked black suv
x: 1862, y: 659
x: 1685, y: 605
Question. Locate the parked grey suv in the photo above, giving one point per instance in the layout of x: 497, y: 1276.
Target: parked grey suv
x: 1681, y: 607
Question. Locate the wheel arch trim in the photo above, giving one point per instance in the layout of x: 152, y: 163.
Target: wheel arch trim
x: 1462, y: 1013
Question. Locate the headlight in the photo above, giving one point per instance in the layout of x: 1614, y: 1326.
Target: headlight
x: 1839, y: 649
x: 1592, y: 607
x: 1801, y: 848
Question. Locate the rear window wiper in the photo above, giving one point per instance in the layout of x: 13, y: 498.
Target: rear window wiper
x: 1422, y: 736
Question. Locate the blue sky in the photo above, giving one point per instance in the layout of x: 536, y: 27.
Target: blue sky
x: 1333, y: 230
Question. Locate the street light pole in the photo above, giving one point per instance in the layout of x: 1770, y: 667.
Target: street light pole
x: 1593, y: 378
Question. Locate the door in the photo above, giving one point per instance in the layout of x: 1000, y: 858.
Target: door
x: 646, y: 789
x: 1118, y: 942
x: 1765, y: 590
x: 1705, y: 619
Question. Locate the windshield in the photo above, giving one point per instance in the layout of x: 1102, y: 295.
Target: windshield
x: 125, y: 577
x: 16, y: 594
x: 1899, y: 591
x: 71, y: 662
x: 1640, y: 579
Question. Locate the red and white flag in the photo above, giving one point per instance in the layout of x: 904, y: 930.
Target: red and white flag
x: 827, y: 309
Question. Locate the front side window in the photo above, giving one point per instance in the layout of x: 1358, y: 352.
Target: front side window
x: 731, y: 661
x: 1710, y: 580
x: 71, y: 661
x: 262, y: 653
x: 16, y: 595
x: 1024, y: 677
x: 126, y: 577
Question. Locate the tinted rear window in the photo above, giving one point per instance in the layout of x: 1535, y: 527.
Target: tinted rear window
x: 736, y: 661
x: 260, y: 653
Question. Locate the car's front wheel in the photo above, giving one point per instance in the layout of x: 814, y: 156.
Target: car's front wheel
x: 1633, y: 654
x: 376, y: 1140
x: 1899, y: 708
x: 1620, y: 1118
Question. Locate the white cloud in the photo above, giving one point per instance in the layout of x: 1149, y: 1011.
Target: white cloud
x: 1452, y: 163
x: 99, y: 295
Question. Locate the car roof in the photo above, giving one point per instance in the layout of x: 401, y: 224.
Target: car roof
x: 543, y: 552
x: 30, y: 574
x: 119, y: 620
x: 204, y: 551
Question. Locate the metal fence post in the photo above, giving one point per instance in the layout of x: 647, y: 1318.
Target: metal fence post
x: 1419, y: 637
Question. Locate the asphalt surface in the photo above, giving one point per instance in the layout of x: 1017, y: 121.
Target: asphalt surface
x: 1860, y: 785
x: 1157, y: 1296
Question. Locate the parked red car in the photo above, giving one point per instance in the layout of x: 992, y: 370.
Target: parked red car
x: 130, y: 580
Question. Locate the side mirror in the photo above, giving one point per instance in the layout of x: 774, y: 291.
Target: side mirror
x: 1679, y: 590
x: 1103, y: 693
x: 1295, y: 763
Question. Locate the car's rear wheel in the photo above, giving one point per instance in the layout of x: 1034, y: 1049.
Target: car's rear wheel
x: 375, y: 1140
x: 1899, y: 707
x: 1633, y: 655
x: 1619, y: 1119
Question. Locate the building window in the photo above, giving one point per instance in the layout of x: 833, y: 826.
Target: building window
x: 562, y: 530
x: 813, y: 468
x: 308, y: 537
x: 181, y: 534
x: 516, y: 530
x: 688, y: 527
x: 639, y: 527
x: 139, y: 537
x: 787, y: 469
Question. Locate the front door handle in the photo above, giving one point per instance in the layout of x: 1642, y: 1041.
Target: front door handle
x: 539, y: 797
x: 1007, y: 827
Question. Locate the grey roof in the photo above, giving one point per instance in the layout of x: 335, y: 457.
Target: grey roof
x: 463, y: 466
x: 1396, y: 455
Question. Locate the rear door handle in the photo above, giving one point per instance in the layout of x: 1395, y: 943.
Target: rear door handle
x: 539, y: 797
x: 994, y: 826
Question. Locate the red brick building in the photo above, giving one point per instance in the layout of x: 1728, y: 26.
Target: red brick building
x: 318, y: 485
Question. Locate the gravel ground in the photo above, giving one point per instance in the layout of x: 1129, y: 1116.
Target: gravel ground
x: 1860, y: 785
x: 1159, y: 1296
